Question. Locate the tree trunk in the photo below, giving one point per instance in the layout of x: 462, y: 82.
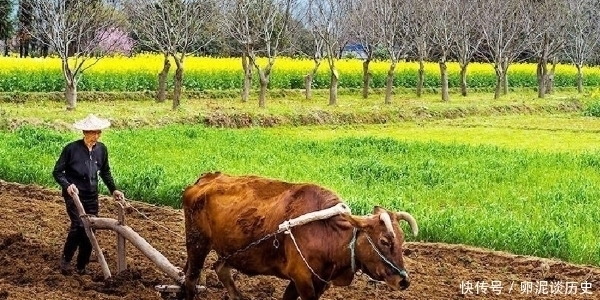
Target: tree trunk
x: 550, y: 77
x: 444, y: 79
x: 71, y: 94
x: 579, y: 77
x: 421, y: 77
x: 463, y: 79
x: 389, y: 83
x: 6, y: 41
x: 499, y: 80
x: 308, y: 79
x: 70, y: 84
x: 247, y: 77
x: 264, y: 82
x: 541, y: 72
x: 366, y: 78
x: 308, y: 86
x: 333, y: 86
x: 505, y: 77
x: 71, y: 49
x: 162, y: 80
x: 44, y: 50
x: 178, y: 83
x: 21, y: 49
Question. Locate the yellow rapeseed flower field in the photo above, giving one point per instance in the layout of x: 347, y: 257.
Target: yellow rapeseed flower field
x: 121, y: 73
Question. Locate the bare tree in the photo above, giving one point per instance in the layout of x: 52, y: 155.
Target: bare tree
x: 317, y: 57
x: 550, y: 18
x: 260, y: 27
x: 467, y: 38
x: 247, y: 75
x: 363, y: 29
x: 238, y: 24
x: 506, y: 27
x: 442, y: 36
x: 392, y: 23
x: 25, y: 28
x: 6, y: 22
x: 582, y: 34
x: 418, y: 16
x: 176, y: 28
x: 330, y: 20
x: 144, y: 15
x: 86, y: 24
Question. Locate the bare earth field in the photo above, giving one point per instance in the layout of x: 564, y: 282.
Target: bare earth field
x: 33, y: 225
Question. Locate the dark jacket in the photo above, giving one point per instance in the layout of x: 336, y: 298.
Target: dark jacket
x: 80, y: 166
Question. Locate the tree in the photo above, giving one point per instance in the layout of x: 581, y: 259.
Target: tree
x: 442, y: 36
x: 506, y: 27
x: 25, y: 26
x: 467, y: 38
x: 582, y: 34
x: 364, y: 31
x: 260, y: 26
x: 550, y: 18
x: 175, y: 28
x: 391, y: 22
x: 418, y: 15
x: 6, y: 22
x: 62, y: 24
x: 317, y: 56
x: 330, y: 24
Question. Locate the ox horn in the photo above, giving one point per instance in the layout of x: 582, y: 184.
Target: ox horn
x: 411, y: 221
x: 385, y: 217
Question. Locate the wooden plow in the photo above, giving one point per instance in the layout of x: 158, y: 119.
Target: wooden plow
x: 124, y: 233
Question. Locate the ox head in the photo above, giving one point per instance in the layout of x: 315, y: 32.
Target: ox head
x: 379, y: 245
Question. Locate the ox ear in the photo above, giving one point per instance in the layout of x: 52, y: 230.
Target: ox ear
x: 378, y: 210
x: 356, y: 221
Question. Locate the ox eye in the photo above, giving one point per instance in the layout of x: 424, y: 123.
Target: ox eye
x: 384, y: 242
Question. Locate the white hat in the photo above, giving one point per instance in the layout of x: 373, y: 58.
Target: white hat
x: 91, y: 123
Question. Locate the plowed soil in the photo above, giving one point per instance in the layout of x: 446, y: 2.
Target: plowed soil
x: 33, y: 225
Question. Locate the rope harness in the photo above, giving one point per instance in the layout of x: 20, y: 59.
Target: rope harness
x: 128, y: 204
x: 401, y: 272
x: 286, y: 227
x: 352, y: 247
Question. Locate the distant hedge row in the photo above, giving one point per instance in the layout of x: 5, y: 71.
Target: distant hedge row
x: 139, y: 73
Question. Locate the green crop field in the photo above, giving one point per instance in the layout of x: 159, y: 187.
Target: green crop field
x: 525, y: 182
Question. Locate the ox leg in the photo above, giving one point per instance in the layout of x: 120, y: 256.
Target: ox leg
x: 307, y: 290
x: 291, y: 293
x: 193, y: 269
x: 224, y: 273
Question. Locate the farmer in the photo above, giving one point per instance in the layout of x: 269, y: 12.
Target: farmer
x: 77, y: 171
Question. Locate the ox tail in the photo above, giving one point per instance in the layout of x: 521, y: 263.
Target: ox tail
x: 411, y: 221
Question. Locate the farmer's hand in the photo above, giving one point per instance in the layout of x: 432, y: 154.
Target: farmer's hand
x: 72, y: 190
x: 118, y: 195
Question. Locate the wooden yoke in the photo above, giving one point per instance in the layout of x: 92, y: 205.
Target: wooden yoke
x: 340, y: 208
x: 85, y: 219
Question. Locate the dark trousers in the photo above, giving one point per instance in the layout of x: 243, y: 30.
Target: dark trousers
x: 77, y: 238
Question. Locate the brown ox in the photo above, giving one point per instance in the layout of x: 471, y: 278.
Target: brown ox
x: 233, y: 215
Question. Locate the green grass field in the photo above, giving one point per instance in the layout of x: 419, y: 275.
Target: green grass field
x: 525, y: 183
x: 38, y: 109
